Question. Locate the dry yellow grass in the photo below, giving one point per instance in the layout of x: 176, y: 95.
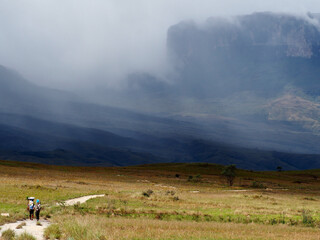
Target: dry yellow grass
x: 89, y: 227
x: 177, y: 208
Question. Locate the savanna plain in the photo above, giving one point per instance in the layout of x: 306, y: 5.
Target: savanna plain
x: 164, y: 201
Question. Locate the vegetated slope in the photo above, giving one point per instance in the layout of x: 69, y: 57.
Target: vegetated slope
x: 163, y: 170
x: 91, y: 147
x: 77, y: 134
x: 55, y: 143
x: 296, y: 109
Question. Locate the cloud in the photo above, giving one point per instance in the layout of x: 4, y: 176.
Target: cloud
x: 72, y: 43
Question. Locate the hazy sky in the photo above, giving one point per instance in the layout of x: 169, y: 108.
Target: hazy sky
x: 68, y: 43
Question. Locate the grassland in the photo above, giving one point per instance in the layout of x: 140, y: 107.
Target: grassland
x: 162, y: 201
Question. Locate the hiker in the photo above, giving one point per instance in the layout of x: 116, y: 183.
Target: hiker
x: 38, y: 208
x: 31, y: 209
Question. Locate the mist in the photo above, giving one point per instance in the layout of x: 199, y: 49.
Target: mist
x: 80, y: 44
x: 123, y: 83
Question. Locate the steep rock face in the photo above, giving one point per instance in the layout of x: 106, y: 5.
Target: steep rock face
x: 297, y: 110
x: 262, y: 52
x: 296, y: 36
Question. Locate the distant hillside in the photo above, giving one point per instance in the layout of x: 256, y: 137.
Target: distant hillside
x: 262, y: 52
x: 61, y: 144
x: 243, y: 90
x: 234, y: 74
x: 295, y: 109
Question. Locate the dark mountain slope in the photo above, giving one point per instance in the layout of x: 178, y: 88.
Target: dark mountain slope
x: 67, y: 145
x: 18, y: 96
x: 22, y: 145
x: 262, y: 52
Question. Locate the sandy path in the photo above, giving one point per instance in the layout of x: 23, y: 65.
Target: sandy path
x: 81, y: 199
x: 32, y: 227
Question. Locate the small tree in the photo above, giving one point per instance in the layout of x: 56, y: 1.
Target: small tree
x: 229, y: 172
x: 279, y: 168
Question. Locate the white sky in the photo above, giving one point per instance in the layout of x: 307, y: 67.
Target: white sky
x: 72, y: 43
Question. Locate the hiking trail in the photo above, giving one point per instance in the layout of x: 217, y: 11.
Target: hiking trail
x: 35, y: 230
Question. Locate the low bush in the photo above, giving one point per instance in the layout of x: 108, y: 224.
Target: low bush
x: 21, y: 225
x: 148, y: 193
x: 172, y: 193
x: 25, y: 236
x: 258, y: 185
x: 52, y: 232
x: 196, y: 178
x: 307, y: 219
x: 310, y: 199
x: 8, y: 235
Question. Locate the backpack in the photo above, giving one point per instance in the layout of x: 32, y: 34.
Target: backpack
x: 38, y: 207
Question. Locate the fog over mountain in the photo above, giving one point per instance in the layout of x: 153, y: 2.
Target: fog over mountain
x: 84, y: 43
x: 119, y: 89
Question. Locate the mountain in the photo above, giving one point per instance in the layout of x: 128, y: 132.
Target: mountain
x: 262, y: 67
x: 231, y: 78
x: 21, y: 97
x: 61, y: 144
x: 261, y: 52
x: 81, y: 138
x: 244, y: 91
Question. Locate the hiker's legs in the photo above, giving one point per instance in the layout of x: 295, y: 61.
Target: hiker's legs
x: 31, y: 214
x: 38, y: 215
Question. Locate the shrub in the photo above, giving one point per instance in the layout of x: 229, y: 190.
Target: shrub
x: 172, y: 193
x: 25, y: 236
x: 282, y: 218
x: 273, y: 221
x: 21, y: 225
x: 196, y: 178
x: 8, y: 235
x: 247, y: 178
x: 111, y: 204
x: 307, y: 219
x: 229, y: 172
x: 80, y: 208
x: 310, y: 199
x: 257, y: 185
x: 293, y: 222
x: 299, y: 182
x: 52, y: 232
x: 148, y: 193
x: 76, y: 231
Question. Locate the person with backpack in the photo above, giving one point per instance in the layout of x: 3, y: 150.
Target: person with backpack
x: 31, y: 209
x: 38, y: 208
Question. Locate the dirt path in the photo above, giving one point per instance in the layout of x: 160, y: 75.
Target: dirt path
x: 35, y: 230
x: 31, y: 227
x: 81, y: 199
